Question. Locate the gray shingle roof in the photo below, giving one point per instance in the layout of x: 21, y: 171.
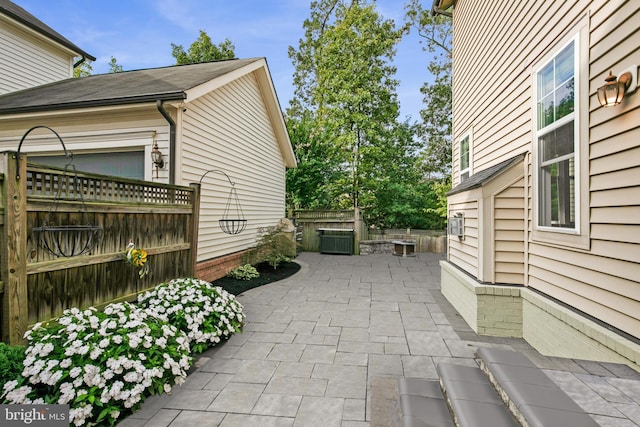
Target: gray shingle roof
x: 480, y: 178
x: 19, y: 14
x: 128, y: 87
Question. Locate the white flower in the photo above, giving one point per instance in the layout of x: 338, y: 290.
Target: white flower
x: 107, y: 374
x: 10, y: 385
x: 131, y: 377
x: 95, y: 353
x: 46, y: 349
x: 19, y: 395
x: 38, y: 365
x: 75, y: 372
x: 28, y: 361
x: 94, y: 322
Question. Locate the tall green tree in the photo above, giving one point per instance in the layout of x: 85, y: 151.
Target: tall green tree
x: 114, y: 67
x: 401, y: 195
x: 308, y: 185
x: 344, y: 78
x: 203, y: 50
x: 436, y: 127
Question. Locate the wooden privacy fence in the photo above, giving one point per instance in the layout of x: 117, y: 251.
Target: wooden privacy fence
x: 310, y: 221
x: 36, y: 285
x: 425, y: 240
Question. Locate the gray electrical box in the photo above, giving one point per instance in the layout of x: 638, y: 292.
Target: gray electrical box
x: 455, y: 226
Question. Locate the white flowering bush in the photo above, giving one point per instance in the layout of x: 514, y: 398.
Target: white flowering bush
x: 206, y: 313
x: 101, y: 363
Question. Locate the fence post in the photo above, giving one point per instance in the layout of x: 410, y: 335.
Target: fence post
x: 356, y: 229
x: 195, y: 226
x: 13, y: 248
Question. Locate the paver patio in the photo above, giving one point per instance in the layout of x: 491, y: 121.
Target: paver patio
x: 326, y: 346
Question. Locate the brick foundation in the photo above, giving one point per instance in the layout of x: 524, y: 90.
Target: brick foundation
x: 515, y: 311
x: 216, y: 268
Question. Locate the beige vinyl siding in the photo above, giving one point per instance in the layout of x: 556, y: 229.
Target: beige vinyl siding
x: 103, y: 131
x: 230, y: 130
x: 27, y: 60
x: 509, y: 234
x: 464, y: 252
x: 496, y: 46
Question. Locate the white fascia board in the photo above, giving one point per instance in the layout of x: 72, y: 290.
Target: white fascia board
x: 203, y: 89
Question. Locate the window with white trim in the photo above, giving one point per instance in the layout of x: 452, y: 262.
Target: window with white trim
x: 556, y: 139
x: 465, y: 157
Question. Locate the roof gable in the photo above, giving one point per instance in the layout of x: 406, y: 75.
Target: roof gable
x: 128, y: 87
x: 175, y: 83
x: 20, y: 15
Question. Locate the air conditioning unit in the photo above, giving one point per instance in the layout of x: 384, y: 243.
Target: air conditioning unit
x: 455, y: 226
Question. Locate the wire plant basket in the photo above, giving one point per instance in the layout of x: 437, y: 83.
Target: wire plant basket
x: 65, y: 240
x: 233, y: 220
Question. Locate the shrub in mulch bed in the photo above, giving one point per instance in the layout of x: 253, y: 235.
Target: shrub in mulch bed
x: 267, y: 275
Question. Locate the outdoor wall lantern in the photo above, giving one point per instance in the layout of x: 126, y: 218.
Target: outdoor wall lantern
x: 156, y: 157
x: 615, y: 88
x: 232, y: 221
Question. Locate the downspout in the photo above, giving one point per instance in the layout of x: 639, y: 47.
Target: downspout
x: 172, y: 141
x: 80, y: 61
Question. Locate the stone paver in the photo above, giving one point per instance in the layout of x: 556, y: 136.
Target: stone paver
x: 326, y: 347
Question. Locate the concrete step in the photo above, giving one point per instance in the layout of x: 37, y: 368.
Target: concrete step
x: 531, y: 396
x: 507, y: 390
x: 472, y: 398
x: 462, y: 397
x: 423, y: 404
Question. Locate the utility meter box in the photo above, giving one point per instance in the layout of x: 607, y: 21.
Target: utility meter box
x: 455, y: 226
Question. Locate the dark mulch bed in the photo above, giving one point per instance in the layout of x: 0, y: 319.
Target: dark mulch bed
x: 267, y: 275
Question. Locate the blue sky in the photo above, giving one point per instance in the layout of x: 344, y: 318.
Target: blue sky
x: 139, y: 33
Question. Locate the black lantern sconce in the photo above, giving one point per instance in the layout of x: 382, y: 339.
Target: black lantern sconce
x: 615, y: 88
x: 156, y: 157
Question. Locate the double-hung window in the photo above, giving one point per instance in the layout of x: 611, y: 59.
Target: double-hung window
x: 465, y: 157
x: 556, y: 139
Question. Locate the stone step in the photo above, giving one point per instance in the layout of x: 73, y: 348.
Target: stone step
x: 472, y: 398
x: 531, y: 396
x: 423, y: 404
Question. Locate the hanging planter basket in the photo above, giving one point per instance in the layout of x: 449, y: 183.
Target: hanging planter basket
x: 233, y: 220
x: 233, y: 226
x: 65, y: 240
x: 68, y: 240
